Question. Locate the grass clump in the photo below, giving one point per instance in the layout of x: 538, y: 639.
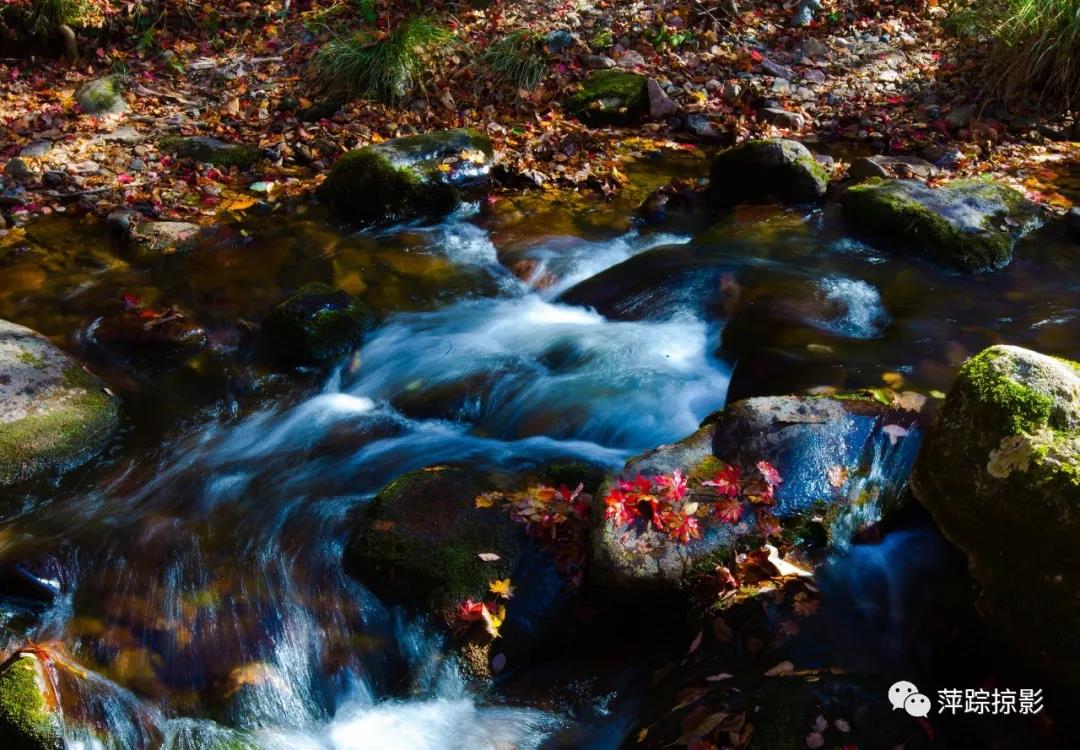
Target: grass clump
x: 517, y: 60
x: 360, y: 65
x: 1036, y: 45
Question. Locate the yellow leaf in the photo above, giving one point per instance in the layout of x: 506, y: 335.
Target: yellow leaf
x: 618, y: 176
x: 642, y: 734
x: 487, y: 500
x: 493, y: 620
x: 239, y: 204
x: 502, y: 588
x: 444, y: 167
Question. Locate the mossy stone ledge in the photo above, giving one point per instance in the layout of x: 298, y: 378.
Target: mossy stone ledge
x: 1000, y: 473
x: 211, y: 151
x: 610, y: 97
x: 54, y: 415
x: 969, y: 225
x: 424, y: 175
x: 768, y: 169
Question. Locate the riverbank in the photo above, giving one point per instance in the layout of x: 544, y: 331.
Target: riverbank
x: 891, y: 83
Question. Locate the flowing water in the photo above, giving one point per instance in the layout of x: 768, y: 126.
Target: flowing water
x: 196, y: 567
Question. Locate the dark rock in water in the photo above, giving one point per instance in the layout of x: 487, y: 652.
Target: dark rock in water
x: 1000, y: 473
x: 885, y: 167
x: 1072, y: 224
x: 610, y: 97
x: 422, y: 538
x: 101, y: 97
x: 676, y: 199
x: 828, y: 451
x: 417, y: 176
x: 149, y: 330
x: 969, y: 225
x: 54, y: 415
x: 758, y: 170
x: 210, y: 150
x: 38, y: 580
x: 316, y: 325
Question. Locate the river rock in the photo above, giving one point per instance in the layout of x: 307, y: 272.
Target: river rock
x: 421, y: 541
x: 758, y: 170
x: 1072, y: 224
x: 210, y: 150
x: 823, y: 449
x: 420, y: 175
x: 866, y: 167
x: 53, y: 414
x: 102, y: 96
x: 968, y: 225
x: 1000, y: 472
x: 660, y: 104
x: 150, y: 331
x: 30, y: 716
x: 781, y: 118
x: 158, y: 237
x: 610, y: 97
x: 316, y: 325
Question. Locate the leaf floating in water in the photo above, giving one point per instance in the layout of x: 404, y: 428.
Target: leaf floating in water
x: 498, y: 663
x: 493, y: 620
x: 895, y: 432
x: 783, y: 567
x: 838, y: 476
x: 719, y: 677
x: 696, y: 643
x: 783, y: 668
x: 502, y: 588
x: 489, y: 557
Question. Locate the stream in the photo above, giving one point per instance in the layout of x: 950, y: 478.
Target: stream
x: 196, y: 565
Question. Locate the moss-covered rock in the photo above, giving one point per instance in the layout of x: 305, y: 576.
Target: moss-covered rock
x: 316, y: 325
x: 102, y: 96
x: 969, y: 225
x: 421, y: 540
x: 764, y: 169
x: 210, y: 150
x: 53, y: 414
x: 29, y: 709
x: 610, y: 97
x: 422, y: 175
x: 1000, y: 472
x: 804, y: 438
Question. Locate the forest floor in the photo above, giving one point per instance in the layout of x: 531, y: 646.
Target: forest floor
x: 883, y: 77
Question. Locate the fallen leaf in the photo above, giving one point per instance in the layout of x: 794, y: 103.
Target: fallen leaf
x: 502, y: 588
x: 488, y: 556
x: 784, y: 667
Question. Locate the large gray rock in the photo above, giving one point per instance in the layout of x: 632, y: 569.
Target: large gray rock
x: 1000, y: 472
x: 53, y: 414
x: 421, y: 175
x: 969, y: 225
x: 759, y: 170
x: 102, y: 96
x: 829, y: 453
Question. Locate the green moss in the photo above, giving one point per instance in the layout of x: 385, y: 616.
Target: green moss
x: 34, y: 360
x: 365, y: 185
x: 210, y: 151
x: 100, y: 96
x: 26, y: 720
x: 878, y: 210
x: 610, y: 97
x: 61, y: 438
x: 1016, y: 408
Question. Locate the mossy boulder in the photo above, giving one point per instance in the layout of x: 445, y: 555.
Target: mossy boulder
x: 30, y: 717
x: 968, y: 225
x: 316, y: 325
x: 843, y: 460
x: 767, y: 169
x: 610, y: 97
x: 1000, y: 472
x: 211, y: 151
x: 102, y: 96
x: 421, y: 540
x: 417, y: 176
x: 54, y: 415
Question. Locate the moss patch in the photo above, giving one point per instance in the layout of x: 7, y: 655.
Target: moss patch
x: 762, y: 169
x: 316, y: 325
x: 610, y: 97
x: 211, y: 151
x: 365, y: 185
x: 1011, y: 405
x: 27, y: 722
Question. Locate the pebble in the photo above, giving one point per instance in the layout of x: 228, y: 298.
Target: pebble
x: 37, y: 149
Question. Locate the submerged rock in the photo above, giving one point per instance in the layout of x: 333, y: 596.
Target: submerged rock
x: 420, y: 175
x: 969, y: 225
x: 101, y: 97
x: 773, y: 168
x: 841, y: 460
x: 157, y: 331
x: 53, y: 414
x: 610, y: 97
x: 316, y: 325
x: 210, y: 150
x: 1000, y: 473
x: 161, y: 237
x: 30, y: 716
